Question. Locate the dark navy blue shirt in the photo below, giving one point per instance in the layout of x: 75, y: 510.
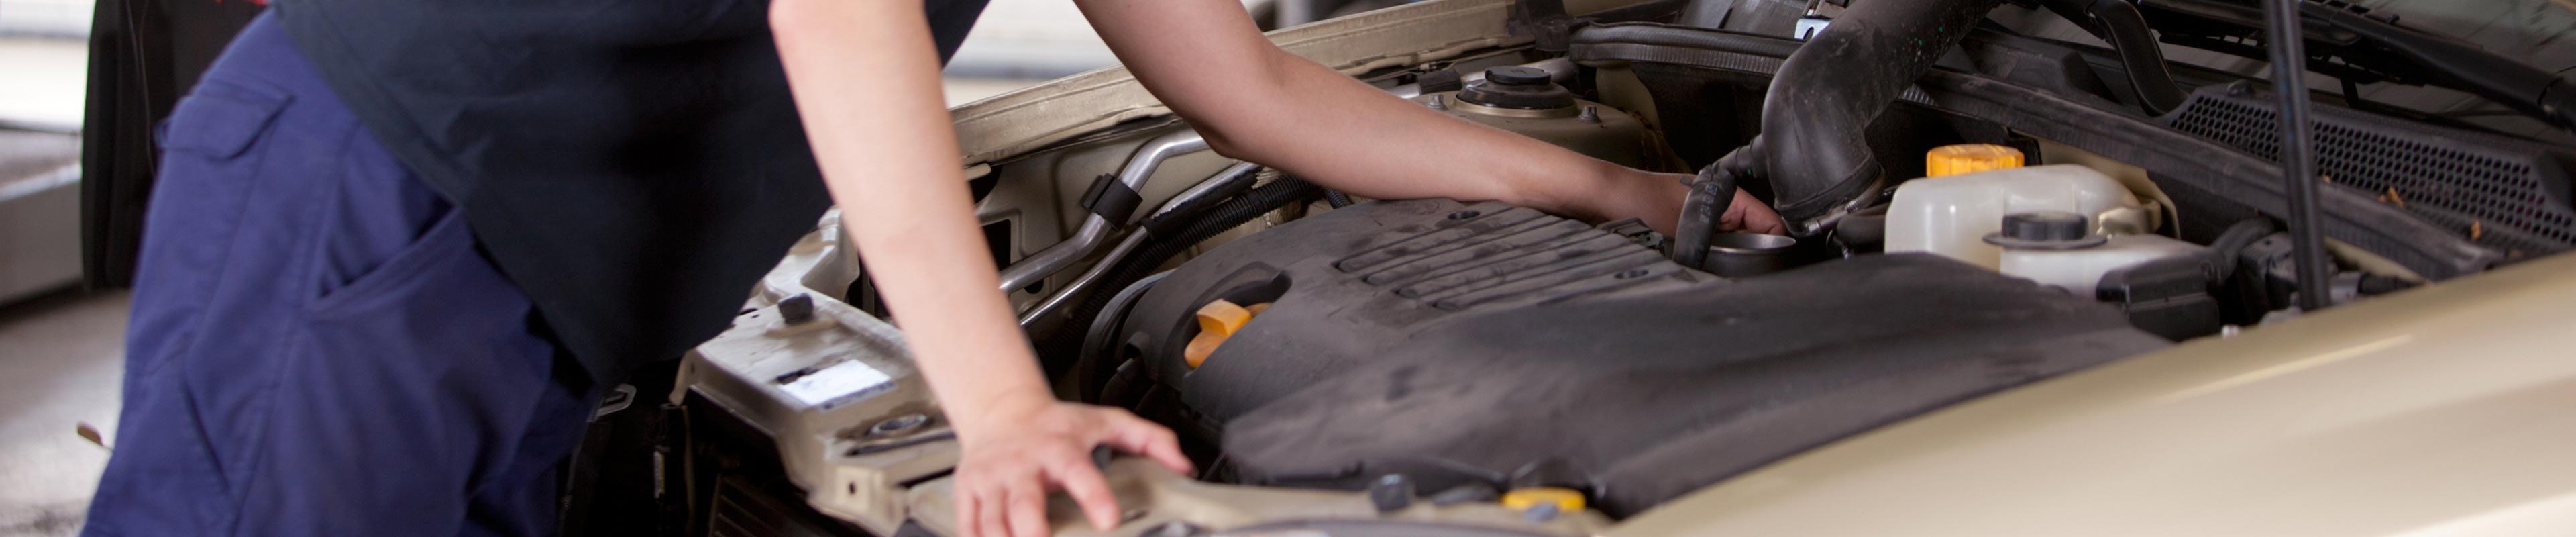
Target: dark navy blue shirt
x: 633, y: 166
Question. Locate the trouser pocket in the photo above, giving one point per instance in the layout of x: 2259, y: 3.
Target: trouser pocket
x: 409, y: 388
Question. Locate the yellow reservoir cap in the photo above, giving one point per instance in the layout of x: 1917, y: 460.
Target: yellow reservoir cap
x: 1217, y: 321
x: 1969, y: 158
x: 1565, y: 499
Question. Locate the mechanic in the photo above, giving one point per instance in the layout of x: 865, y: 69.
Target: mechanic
x: 397, y: 247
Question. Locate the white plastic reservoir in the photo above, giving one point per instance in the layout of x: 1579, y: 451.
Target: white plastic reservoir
x: 2078, y: 270
x: 1950, y: 215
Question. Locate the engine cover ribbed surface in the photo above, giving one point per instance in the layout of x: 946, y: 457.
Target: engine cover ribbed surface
x: 1459, y: 343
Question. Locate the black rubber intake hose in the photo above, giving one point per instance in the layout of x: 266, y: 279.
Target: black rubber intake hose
x: 1825, y: 96
x: 1712, y: 192
x: 2119, y: 23
x: 2231, y: 244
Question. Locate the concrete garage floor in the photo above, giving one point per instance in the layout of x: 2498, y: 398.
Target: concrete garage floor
x: 63, y: 361
x: 61, y: 353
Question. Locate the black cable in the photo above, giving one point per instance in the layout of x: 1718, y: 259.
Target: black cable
x: 1336, y: 198
x: 1099, y: 344
x: 2231, y: 244
x: 2352, y: 96
x: 2119, y: 23
x: 2298, y: 153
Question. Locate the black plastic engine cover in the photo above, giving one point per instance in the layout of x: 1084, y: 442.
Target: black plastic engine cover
x: 1460, y: 343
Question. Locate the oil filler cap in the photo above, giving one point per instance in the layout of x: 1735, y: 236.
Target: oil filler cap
x: 1218, y: 321
x: 2045, y: 230
x: 1525, y: 88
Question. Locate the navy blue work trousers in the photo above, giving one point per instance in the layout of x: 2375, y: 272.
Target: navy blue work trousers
x: 317, y: 347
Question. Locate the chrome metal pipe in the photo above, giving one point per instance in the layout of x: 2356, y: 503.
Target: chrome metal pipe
x: 1039, y: 265
x: 1241, y: 171
x: 1065, y: 295
x: 1095, y: 229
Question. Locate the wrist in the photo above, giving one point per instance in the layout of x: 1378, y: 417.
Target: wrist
x: 1624, y: 192
x: 1589, y: 190
x: 995, y: 410
x: 1654, y: 197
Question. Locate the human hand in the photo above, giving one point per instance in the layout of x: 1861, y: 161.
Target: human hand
x: 1661, y: 206
x: 1750, y: 215
x: 1017, y: 451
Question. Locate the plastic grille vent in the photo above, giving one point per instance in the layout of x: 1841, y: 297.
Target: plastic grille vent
x: 2445, y: 180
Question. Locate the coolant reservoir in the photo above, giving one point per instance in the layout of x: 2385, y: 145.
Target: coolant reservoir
x: 2059, y: 249
x: 1951, y: 215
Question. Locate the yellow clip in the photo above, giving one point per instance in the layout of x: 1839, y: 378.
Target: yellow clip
x: 1969, y: 158
x: 1565, y: 499
x: 1217, y: 321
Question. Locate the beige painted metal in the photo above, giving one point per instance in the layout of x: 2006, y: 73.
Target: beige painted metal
x: 1616, y: 136
x: 1012, y: 123
x: 2447, y: 410
x: 817, y: 429
x: 1153, y: 496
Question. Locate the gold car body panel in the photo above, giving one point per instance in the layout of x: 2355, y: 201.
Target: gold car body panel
x: 2446, y: 410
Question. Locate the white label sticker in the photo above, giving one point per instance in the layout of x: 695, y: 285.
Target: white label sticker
x: 840, y: 380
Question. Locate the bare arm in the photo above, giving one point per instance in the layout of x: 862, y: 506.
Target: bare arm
x: 890, y: 163
x: 1255, y: 102
x: 910, y: 214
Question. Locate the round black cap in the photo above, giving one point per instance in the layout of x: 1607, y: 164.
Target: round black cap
x: 2045, y: 230
x: 1514, y: 75
x: 1525, y: 88
x: 2044, y: 226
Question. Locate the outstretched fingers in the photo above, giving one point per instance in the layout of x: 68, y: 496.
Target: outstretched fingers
x: 1135, y: 435
x: 1088, y: 488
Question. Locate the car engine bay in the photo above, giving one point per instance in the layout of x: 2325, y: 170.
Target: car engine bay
x: 1972, y: 209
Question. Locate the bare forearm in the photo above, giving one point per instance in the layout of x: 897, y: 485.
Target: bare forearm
x: 1387, y: 147
x: 1205, y: 59
x: 888, y: 161
x: 1374, y: 137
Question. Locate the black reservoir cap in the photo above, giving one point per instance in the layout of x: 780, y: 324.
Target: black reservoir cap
x: 1525, y: 88
x: 2045, y: 230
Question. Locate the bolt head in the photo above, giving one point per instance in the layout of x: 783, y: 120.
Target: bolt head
x: 1391, y: 493
x: 898, y: 425
x: 1175, y: 528
x: 796, y: 310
